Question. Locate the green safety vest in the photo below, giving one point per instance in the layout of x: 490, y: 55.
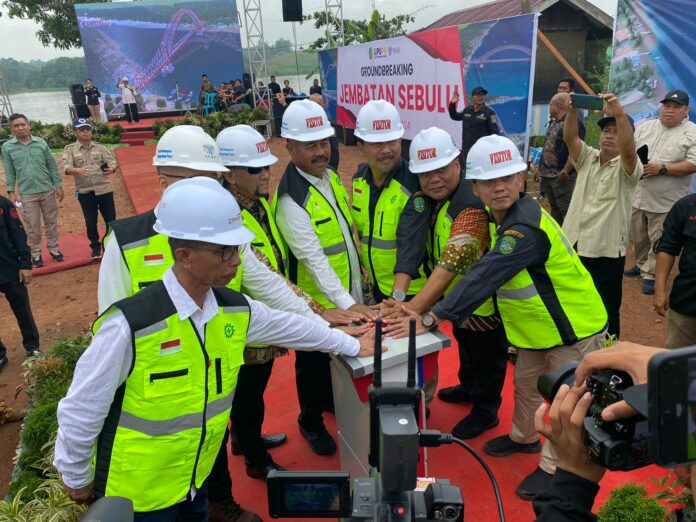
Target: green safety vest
x: 550, y: 305
x: 377, y: 231
x: 261, y: 240
x: 461, y: 199
x: 326, y: 225
x: 167, y: 420
x: 147, y: 254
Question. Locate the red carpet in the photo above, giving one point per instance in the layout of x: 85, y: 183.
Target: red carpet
x: 75, y: 248
x: 451, y: 462
x: 144, y: 123
x: 139, y: 176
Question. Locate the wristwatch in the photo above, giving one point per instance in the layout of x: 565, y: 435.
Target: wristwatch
x: 399, y: 295
x: 428, y: 320
x: 663, y: 170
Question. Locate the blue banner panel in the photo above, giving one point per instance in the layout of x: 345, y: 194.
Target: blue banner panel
x: 162, y: 46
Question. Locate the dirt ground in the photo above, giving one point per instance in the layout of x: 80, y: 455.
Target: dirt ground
x: 65, y: 303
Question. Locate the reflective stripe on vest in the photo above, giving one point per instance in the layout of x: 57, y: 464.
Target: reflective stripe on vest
x: 440, y: 234
x: 377, y: 232
x: 261, y: 240
x: 166, y: 424
x: 553, y: 305
x: 328, y: 230
x: 147, y: 254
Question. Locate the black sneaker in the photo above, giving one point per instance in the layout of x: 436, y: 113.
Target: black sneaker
x: 229, y: 511
x: 96, y: 252
x: 634, y: 271
x: 37, y: 262
x: 538, y: 481
x: 504, y: 445
x: 319, y: 440
x: 454, y: 394
x: 473, y: 425
x: 34, y: 352
x: 57, y: 256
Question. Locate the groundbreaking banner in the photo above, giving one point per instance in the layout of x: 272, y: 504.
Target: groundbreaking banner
x: 419, y: 74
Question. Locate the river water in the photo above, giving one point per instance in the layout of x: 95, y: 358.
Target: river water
x: 46, y: 106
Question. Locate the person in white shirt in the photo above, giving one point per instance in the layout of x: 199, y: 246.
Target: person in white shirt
x: 314, y: 218
x: 671, y: 143
x: 130, y: 105
x: 106, y: 400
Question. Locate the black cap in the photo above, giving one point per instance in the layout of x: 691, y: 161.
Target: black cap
x: 479, y: 90
x: 677, y: 96
x: 610, y: 119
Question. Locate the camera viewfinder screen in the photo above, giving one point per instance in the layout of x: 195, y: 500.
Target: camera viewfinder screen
x: 303, y: 497
x: 691, y: 436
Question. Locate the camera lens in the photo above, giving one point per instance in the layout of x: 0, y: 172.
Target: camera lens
x: 449, y: 513
x: 549, y: 383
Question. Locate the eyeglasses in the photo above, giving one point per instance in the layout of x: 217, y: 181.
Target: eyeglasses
x: 226, y: 254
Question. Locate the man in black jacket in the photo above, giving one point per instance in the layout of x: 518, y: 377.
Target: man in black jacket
x: 15, y: 275
x: 478, y: 120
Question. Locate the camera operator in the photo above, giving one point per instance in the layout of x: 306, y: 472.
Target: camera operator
x: 576, y: 481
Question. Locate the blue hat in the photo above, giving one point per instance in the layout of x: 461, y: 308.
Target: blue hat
x: 81, y: 122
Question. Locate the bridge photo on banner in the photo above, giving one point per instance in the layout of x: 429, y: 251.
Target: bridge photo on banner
x: 420, y: 72
x: 162, y: 47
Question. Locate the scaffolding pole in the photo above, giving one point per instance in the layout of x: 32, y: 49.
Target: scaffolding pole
x: 5, y: 104
x: 334, y: 33
x: 256, y: 49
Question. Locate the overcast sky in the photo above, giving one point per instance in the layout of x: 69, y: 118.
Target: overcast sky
x: 18, y: 40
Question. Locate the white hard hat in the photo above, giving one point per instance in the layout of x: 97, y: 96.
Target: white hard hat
x: 124, y: 79
x: 200, y: 209
x: 493, y: 157
x: 378, y: 121
x: 431, y: 149
x: 305, y: 120
x: 243, y: 146
x: 188, y: 146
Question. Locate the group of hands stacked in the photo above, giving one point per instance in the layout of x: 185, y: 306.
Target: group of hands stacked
x: 359, y: 321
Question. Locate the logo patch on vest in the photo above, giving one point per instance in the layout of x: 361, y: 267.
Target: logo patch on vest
x: 419, y: 204
x: 229, y: 330
x: 516, y: 233
x: 170, y: 347
x: 153, y: 259
x: 507, y: 245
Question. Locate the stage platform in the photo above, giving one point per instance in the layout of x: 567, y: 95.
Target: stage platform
x: 143, y: 124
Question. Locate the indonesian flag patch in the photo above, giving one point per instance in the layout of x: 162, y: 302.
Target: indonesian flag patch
x: 170, y: 347
x: 153, y: 259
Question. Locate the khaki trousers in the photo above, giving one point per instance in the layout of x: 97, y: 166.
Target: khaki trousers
x: 530, y: 365
x: 94, y: 111
x: 646, y: 228
x: 33, y: 207
x: 681, y: 330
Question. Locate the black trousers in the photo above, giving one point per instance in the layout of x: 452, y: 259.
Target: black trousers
x: 248, y: 411
x: 18, y: 297
x: 131, y: 112
x: 91, y: 203
x: 607, y: 274
x: 220, y: 480
x: 314, y: 392
x: 482, y: 367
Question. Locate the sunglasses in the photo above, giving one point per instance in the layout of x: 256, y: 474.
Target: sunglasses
x: 251, y: 170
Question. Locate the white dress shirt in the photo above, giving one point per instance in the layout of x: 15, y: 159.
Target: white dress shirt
x: 127, y: 96
x: 296, y: 227
x: 261, y: 283
x: 105, y: 365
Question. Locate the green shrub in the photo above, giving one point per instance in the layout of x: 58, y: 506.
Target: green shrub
x: 25, y: 485
x: 631, y: 502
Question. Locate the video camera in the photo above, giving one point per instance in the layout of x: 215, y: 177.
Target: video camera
x: 392, y: 492
x: 663, y: 431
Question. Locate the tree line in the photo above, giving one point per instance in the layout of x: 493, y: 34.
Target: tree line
x: 58, y: 73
